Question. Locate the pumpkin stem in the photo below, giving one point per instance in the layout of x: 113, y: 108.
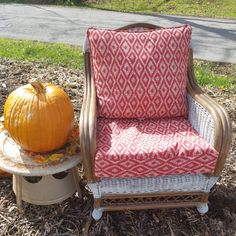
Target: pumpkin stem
x: 38, y: 86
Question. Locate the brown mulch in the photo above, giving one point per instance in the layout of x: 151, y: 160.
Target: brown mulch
x: 72, y: 217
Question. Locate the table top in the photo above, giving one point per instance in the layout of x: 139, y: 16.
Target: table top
x: 17, y: 161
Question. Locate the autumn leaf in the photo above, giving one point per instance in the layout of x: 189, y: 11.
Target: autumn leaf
x: 71, y: 150
x: 55, y: 156
x: 40, y: 159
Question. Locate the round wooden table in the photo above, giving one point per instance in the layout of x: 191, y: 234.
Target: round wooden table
x: 38, y: 182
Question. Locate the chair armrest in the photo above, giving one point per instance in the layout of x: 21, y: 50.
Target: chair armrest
x: 209, y: 118
x: 88, y: 123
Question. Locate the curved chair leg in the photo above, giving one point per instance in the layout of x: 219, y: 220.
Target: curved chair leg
x: 97, y: 213
x: 202, y: 207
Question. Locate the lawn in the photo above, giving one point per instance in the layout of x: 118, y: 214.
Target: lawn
x: 209, y: 74
x: 48, y: 53
x: 206, y: 8
x: 215, y: 74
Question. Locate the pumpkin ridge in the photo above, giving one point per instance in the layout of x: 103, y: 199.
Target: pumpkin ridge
x: 19, y: 121
x: 51, y: 123
x: 28, y: 139
x: 43, y: 110
x: 10, y: 114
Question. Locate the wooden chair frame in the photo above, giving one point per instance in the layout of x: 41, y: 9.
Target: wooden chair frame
x: 111, y: 202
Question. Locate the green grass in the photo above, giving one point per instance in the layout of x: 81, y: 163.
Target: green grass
x: 50, y: 53
x: 211, y: 74
x: 215, y: 74
x: 207, y: 8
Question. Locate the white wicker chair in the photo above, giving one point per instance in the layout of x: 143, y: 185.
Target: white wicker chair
x: 209, y: 119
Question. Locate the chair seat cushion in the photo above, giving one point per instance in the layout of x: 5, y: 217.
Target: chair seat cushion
x: 151, y: 147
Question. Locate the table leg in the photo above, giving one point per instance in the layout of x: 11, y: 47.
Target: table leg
x: 18, y: 191
x: 76, y: 180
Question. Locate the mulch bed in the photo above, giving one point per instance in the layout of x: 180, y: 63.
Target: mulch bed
x: 73, y: 216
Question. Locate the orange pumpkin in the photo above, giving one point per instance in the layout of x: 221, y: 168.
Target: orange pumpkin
x: 39, y: 117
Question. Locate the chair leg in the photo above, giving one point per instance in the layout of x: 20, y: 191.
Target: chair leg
x: 202, y: 207
x: 97, y: 213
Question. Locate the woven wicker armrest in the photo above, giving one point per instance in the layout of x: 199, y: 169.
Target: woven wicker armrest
x: 209, y: 118
x: 201, y: 120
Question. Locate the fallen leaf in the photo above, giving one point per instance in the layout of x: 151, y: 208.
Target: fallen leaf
x: 55, y: 156
x: 40, y: 159
x: 71, y: 150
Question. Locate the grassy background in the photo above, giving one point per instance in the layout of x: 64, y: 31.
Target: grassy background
x: 50, y: 53
x: 209, y: 8
x: 215, y: 74
x: 211, y: 74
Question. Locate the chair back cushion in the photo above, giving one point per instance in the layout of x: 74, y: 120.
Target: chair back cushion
x: 140, y: 74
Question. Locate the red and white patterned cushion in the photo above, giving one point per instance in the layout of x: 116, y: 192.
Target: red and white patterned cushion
x: 150, y: 147
x: 140, y: 74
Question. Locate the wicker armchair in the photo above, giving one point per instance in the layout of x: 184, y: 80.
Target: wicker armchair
x: 186, y: 138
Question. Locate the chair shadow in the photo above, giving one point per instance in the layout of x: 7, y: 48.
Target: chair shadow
x: 223, y: 196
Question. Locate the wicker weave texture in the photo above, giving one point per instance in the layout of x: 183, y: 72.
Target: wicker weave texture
x: 173, y: 183
x: 157, y: 201
x: 201, y: 120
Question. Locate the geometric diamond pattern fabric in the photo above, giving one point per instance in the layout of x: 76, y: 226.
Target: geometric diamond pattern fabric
x: 150, y: 147
x: 140, y: 74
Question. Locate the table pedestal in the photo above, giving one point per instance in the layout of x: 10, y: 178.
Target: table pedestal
x: 35, y: 182
x: 46, y: 190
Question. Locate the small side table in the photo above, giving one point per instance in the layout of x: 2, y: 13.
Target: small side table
x: 38, y: 183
